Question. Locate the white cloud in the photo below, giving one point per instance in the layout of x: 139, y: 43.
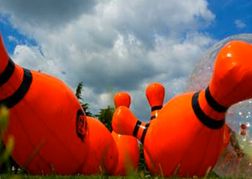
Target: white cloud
x: 30, y: 57
x: 118, y: 44
x: 13, y: 39
x: 239, y: 24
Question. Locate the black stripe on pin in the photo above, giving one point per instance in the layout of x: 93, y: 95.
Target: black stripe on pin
x: 214, y: 104
x: 18, y: 95
x: 138, y: 123
x: 154, y: 108
x: 144, y: 133
x: 7, y: 73
x: 206, y: 120
x: 153, y: 117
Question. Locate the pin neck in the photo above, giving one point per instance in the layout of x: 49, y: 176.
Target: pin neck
x: 205, y: 112
x: 213, y: 103
x: 138, y: 123
x: 7, y: 72
x: 14, y: 84
x: 144, y: 132
x: 154, y: 108
x: 153, y: 117
x: 140, y: 130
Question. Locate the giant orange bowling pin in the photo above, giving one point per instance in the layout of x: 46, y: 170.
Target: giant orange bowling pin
x: 46, y: 120
x: 103, y: 152
x: 186, y: 139
x: 128, y: 146
x: 155, y: 93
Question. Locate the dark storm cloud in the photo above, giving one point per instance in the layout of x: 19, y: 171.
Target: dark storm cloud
x: 46, y: 12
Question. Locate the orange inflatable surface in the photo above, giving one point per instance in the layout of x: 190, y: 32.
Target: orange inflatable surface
x: 186, y: 138
x: 46, y: 120
x: 103, y: 152
x: 155, y: 93
x: 128, y: 146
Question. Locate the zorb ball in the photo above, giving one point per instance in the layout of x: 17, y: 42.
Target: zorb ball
x: 236, y: 158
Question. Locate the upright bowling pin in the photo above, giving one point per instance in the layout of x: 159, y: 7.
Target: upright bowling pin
x: 155, y: 93
x: 186, y: 139
x: 103, y: 152
x: 46, y: 120
x: 128, y: 146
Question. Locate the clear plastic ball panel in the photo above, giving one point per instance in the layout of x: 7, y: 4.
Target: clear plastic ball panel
x: 236, y: 159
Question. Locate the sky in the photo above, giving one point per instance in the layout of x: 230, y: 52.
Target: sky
x: 118, y: 45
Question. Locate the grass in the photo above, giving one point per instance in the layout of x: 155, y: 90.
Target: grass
x: 6, y: 176
x: 143, y: 174
x: 132, y: 175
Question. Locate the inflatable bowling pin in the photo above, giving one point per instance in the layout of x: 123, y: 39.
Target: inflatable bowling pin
x: 186, y: 139
x: 128, y: 146
x: 46, y: 120
x: 155, y: 93
x: 103, y: 153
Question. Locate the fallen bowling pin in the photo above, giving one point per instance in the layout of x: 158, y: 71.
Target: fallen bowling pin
x: 103, y: 152
x: 186, y: 138
x: 155, y: 93
x: 46, y: 120
x: 128, y: 146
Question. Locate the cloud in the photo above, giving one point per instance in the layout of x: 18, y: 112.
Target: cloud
x: 46, y: 13
x: 13, y: 39
x: 119, y: 45
x: 239, y: 24
x: 31, y: 57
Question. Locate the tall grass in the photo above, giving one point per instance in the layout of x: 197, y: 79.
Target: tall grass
x: 5, y: 150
